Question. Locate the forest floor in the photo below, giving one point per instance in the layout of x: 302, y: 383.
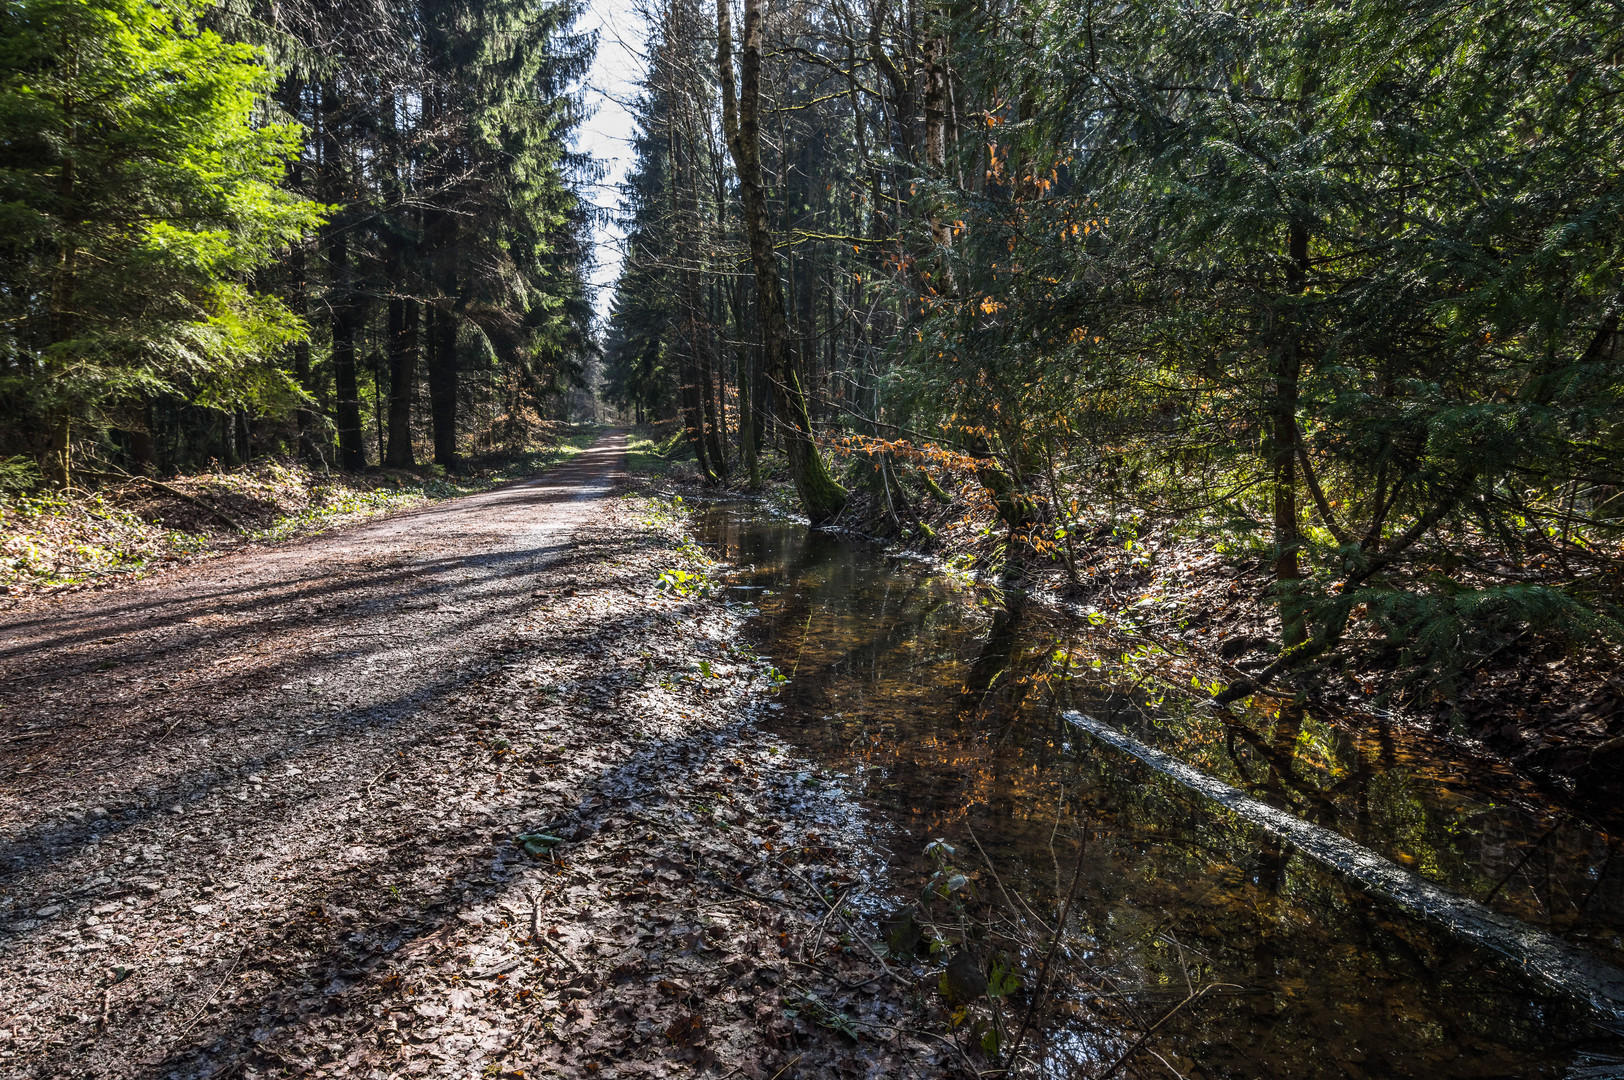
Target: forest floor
x: 469, y: 790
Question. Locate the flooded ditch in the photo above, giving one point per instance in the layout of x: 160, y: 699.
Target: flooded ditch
x: 1431, y: 917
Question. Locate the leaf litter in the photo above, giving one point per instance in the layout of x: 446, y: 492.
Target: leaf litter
x: 578, y: 858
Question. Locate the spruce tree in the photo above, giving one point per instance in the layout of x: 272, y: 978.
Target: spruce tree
x: 138, y: 193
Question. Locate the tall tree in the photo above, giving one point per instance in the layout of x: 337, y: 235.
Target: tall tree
x: 138, y: 193
x: 822, y: 497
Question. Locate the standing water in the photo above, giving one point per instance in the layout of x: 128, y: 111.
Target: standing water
x: 1419, y: 914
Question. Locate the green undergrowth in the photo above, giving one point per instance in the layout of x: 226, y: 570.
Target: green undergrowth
x: 55, y: 540
x: 652, y: 449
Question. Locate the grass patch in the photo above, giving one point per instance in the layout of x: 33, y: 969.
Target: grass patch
x: 652, y: 449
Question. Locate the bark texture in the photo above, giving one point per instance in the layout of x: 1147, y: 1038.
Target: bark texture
x: 822, y: 498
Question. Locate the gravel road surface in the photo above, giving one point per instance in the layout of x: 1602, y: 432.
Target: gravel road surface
x: 264, y: 816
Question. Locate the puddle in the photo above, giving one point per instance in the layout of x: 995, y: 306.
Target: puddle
x: 950, y: 719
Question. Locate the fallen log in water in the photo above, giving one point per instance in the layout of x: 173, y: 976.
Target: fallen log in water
x: 1539, y: 954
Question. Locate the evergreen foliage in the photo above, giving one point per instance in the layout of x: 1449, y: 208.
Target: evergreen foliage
x: 1337, y: 282
x: 638, y: 371
x: 166, y: 165
x: 137, y: 197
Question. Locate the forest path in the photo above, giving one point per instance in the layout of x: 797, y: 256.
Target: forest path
x: 262, y: 817
x: 136, y: 697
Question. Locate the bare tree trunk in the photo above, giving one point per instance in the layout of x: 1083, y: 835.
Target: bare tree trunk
x: 57, y: 471
x: 821, y: 496
x: 1283, y: 453
x: 443, y: 384
x: 750, y: 403
x: 401, y: 322
x: 143, y: 447
x: 402, y: 380
x: 693, y: 416
x: 936, y: 146
x: 64, y: 284
x: 351, y: 455
x: 299, y: 302
x: 708, y: 398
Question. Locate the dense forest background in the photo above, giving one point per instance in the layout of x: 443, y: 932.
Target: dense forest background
x: 1333, y: 288
x: 1330, y: 291
x: 346, y: 231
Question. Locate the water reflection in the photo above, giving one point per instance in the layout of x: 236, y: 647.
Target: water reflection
x: 945, y: 712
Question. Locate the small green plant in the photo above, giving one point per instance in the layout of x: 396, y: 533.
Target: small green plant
x: 822, y: 1014
x: 948, y: 878
x: 538, y: 844
x: 19, y: 475
x: 683, y: 583
x: 1002, y: 978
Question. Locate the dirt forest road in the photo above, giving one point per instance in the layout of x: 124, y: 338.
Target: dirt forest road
x: 259, y: 815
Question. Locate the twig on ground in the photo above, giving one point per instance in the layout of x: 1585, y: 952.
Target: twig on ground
x: 872, y: 951
x: 827, y: 973
x: 177, y: 493
x: 751, y: 894
x: 1048, y: 958
x: 218, y: 987
x: 823, y: 924
x: 391, y: 767
x: 1148, y: 1032
x: 541, y: 939
x: 1014, y: 910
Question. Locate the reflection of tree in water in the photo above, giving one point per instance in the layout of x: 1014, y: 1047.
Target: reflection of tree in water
x: 991, y: 668
x: 1395, y: 808
x: 1326, y: 975
x: 1282, y: 784
x: 837, y: 619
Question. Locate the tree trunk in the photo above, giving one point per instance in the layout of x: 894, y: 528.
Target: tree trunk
x: 64, y: 284
x: 443, y: 385
x: 1283, y: 451
x: 58, y: 470
x: 402, y: 380
x: 301, y: 372
x: 299, y: 304
x: 143, y: 447
x: 716, y: 380
x: 821, y: 496
x: 293, y: 100
x: 693, y: 420
x: 401, y: 325
x: 686, y: 341
x: 351, y: 456
x: 749, y: 393
x: 709, y: 400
